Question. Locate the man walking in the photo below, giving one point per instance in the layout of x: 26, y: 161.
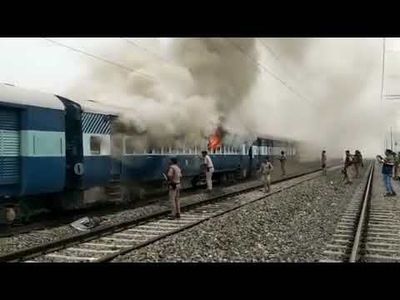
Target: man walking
x: 209, y: 169
x: 323, y: 162
x: 174, y: 184
x: 266, y: 169
x: 357, y: 162
x: 346, y: 170
x: 282, y: 159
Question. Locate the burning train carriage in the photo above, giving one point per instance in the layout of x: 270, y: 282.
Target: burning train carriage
x: 234, y: 157
x: 111, y: 153
x: 71, y: 154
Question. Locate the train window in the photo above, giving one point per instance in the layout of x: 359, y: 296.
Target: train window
x: 95, y: 145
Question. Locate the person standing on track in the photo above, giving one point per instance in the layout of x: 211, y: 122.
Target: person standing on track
x: 282, y: 159
x: 387, y: 171
x: 346, y: 170
x: 265, y: 170
x: 174, y: 184
x: 323, y: 162
x: 209, y: 169
x: 357, y: 162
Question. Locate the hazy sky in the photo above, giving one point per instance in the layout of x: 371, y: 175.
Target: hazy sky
x: 39, y: 64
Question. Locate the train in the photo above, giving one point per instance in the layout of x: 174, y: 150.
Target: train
x: 60, y: 154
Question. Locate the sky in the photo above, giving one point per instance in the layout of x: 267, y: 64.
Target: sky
x: 317, y: 69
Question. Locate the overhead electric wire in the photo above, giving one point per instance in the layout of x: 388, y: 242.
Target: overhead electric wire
x: 276, y: 57
x: 101, y: 59
x: 276, y: 77
x: 146, y: 50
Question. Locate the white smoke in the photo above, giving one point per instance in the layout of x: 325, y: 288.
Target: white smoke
x: 206, y: 82
x: 175, y: 103
x: 341, y: 77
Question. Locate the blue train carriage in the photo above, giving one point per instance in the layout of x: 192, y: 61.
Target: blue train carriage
x: 32, y: 148
x: 142, y: 169
x: 267, y: 146
x: 99, y: 178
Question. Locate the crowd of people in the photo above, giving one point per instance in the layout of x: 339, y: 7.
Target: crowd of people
x: 174, y: 175
x: 352, y: 166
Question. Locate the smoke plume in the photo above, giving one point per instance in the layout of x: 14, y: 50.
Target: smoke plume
x: 178, y: 101
x: 209, y: 82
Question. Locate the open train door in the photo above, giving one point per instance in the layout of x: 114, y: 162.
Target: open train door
x: 73, y: 149
x: 251, y: 161
x: 116, y: 154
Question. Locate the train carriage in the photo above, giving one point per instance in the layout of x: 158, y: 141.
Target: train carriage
x: 65, y: 154
x: 32, y: 144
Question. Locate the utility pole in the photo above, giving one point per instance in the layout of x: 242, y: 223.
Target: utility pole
x: 383, y: 67
x: 391, y: 138
x: 382, y: 81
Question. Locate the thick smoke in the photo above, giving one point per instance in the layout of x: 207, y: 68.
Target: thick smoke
x: 341, y: 80
x: 164, y: 103
x: 210, y: 82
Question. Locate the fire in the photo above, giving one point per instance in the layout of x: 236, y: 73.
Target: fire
x: 215, y: 140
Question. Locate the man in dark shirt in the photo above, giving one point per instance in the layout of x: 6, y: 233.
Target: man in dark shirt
x: 282, y: 159
x: 387, y: 171
x: 323, y: 162
x: 347, y: 163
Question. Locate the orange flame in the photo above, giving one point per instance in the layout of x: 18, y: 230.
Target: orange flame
x: 215, y: 140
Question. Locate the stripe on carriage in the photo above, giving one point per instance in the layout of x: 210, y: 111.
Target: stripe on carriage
x: 36, y: 143
x: 96, y: 123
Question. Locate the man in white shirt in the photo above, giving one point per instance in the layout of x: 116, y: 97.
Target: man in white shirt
x: 209, y: 169
x: 265, y: 170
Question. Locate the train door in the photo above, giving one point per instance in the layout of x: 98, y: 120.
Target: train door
x: 74, y: 147
x: 116, y: 154
x: 250, y: 161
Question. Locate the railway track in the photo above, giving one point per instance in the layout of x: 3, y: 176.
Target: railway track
x: 369, y: 230
x: 104, y: 244
x: 347, y: 239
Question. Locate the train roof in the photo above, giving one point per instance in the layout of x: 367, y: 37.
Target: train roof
x: 16, y: 95
x: 92, y: 106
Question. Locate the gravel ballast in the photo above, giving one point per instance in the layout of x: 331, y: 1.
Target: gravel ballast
x: 291, y: 226
x: 39, y: 237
